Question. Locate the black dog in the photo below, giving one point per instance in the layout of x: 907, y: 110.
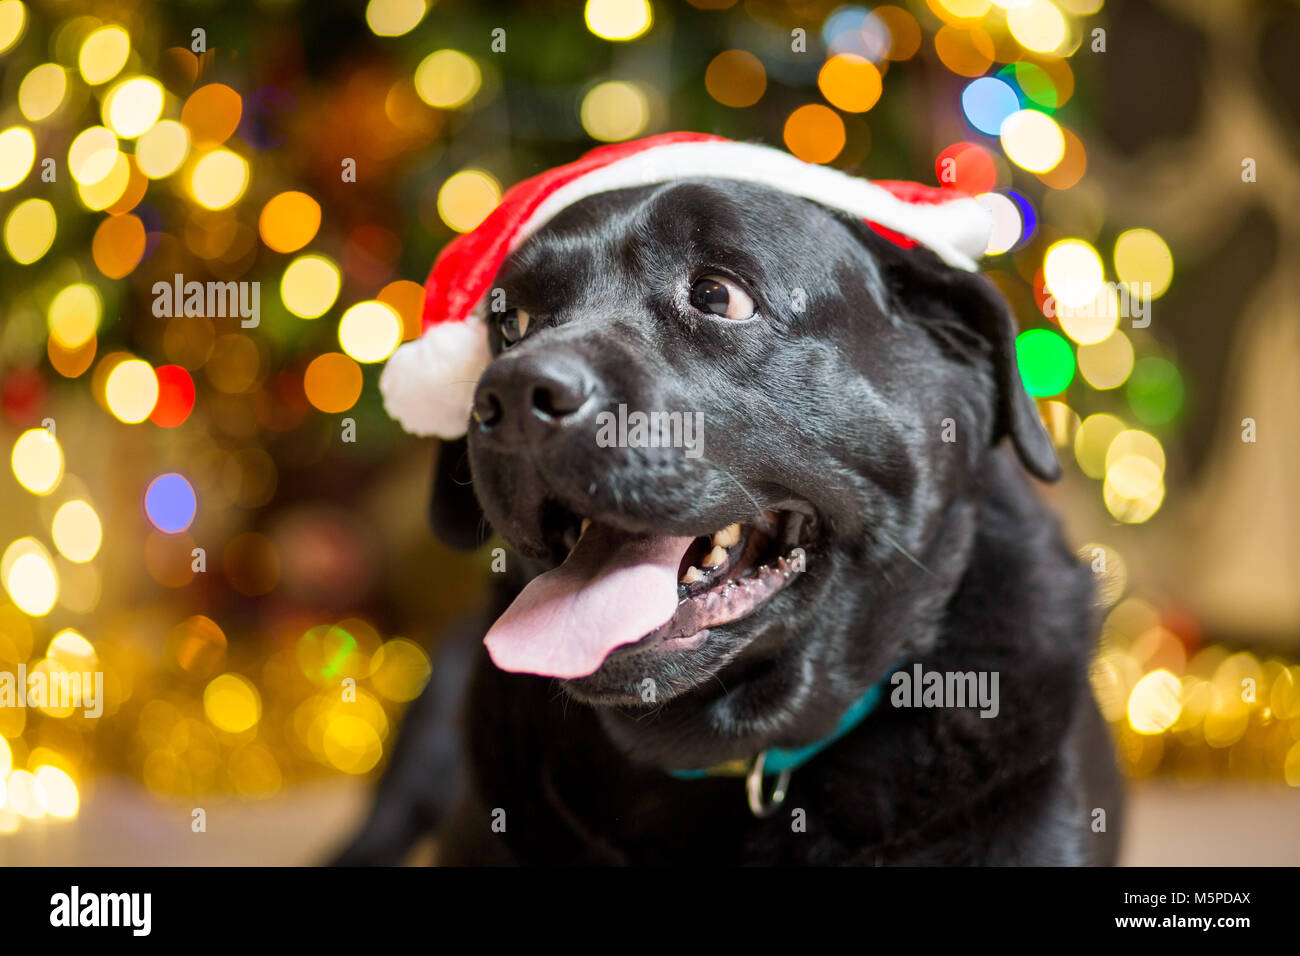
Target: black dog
x: 854, y: 397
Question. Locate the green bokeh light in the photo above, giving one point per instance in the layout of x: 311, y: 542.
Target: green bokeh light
x: 1155, y: 391
x: 1046, y: 362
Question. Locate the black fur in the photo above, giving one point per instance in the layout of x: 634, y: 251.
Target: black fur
x: 931, y: 551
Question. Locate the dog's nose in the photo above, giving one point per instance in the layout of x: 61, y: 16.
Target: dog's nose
x: 534, y: 396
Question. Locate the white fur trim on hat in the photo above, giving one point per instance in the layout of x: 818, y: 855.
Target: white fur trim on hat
x: 428, y: 383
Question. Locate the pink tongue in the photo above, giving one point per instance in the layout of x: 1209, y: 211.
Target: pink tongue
x: 611, y: 590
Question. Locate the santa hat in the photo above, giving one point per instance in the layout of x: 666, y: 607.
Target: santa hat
x: 428, y: 383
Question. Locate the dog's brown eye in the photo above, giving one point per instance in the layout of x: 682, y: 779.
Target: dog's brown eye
x: 514, y: 323
x: 721, y: 296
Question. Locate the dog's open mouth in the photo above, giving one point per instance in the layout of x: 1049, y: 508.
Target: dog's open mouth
x: 616, y: 588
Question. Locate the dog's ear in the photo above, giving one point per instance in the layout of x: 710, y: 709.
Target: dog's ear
x: 454, y: 511
x: 950, y: 300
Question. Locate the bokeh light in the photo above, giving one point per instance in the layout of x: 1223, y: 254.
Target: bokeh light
x: 1045, y: 360
x: 77, y: 531
x: 1108, y: 363
x: 175, y: 397
x: 614, y: 111
x: 1073, y: 272
x: 1037, y: 25
x: 218, y: 179
x: 132, y: 106
x: 814, y: 133
x: 849, y: 82
x: 1155, y: 390
x: 392, y: 18
x: 987, y: 102
x: 1032, y: 140
x: 92, y: 155
x: 103, y: 54
x: 289, y: 221
x: 466, y: 199
x: 1141, y: 256
x: 232, y: 703
x: 447, y: 79
x: 370, y: 331
x: 42, y: 91
x: 310, y: 286
x: 17, y: 153
x: 37, y: 461
x: 618, y: 19
x: 211, y: 114
x: 131, y: 391
x: 29, y: 230
x: 332, y: 382
x: 170, y: 503
x: 735, y: 78
x: 30, y: 577
x: 162, y: 149
x: 13, y: 21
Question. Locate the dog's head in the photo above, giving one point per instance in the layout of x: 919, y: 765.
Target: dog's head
x: 719, y: 414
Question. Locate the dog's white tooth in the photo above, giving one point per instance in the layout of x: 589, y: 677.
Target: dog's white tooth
x: 716, y: 558
x: 728, y: 536
x: 586, y: 523
x: 692, y: 575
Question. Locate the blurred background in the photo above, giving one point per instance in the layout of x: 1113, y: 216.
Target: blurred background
x: 221, y: 520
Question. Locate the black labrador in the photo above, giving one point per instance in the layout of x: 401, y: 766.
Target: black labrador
x: 847, y: 517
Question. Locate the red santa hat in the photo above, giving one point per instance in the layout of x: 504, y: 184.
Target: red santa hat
x: 428, y: 383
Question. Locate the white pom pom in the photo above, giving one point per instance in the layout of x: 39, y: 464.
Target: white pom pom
x: 428, y: 383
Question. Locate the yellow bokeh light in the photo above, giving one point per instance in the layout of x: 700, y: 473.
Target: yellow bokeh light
x: 74, y: 315
x: 1073, y: 273
x: 42, y: 91
x: 29, y: 230
x: 615, y: 111
x: 92, y: 155
x: 232, y: 703
x: 13, y: 19
x: 133, y: 106
x: 1141, y: 256
x: 1093, y: 321
x: 467, y: 197
x: 1032, y: 140
x: 76, y: 531
x: 1134, y: 441
x: 131, y: 391
x: 162, y: 149
x: 1092, y: 441
x: 106, y: 191
x: 1108, y: 363
x: 618, y: 19
x: 447, y: 79
x: 104, y: 54
x: 218, y: 179
x: 17, y: 153
x: 1037, y: 26
x: 1134, y: 489
x: 392, y: 18
x: 26, y: 796
x: 1154, y: 705
x: 399, y: 670
x: 61, y: 798
x: 37, y: 461
x: 29, y: 577
x: 961, y: 9
x: 309, y: 286
x: 351, y: 744
x: 370, y: 331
